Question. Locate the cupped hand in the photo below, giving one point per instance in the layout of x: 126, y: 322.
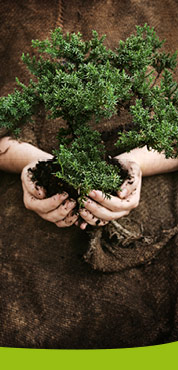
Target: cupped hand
x: 58, y: 209
x: 99, y: 210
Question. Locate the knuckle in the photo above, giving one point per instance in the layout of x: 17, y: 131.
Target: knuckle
x: 62, y: 212
x: 68, y: 225
x: 135, y: 165
x: 85, y: 213
x: 69, y: 219
x: 54, y: 202
x: 69, y: 222
x: 27, y: 205
x: 135, y: 204
x: 115, y: 209
x: 59, y: 224
x: 49, y: 218
x: 130, y: 184
x: 100, y: 198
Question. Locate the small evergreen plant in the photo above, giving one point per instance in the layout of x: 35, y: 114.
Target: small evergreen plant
x: 82, y: 81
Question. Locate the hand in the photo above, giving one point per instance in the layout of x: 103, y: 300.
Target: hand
x: 100, y: 210
x: 57, y: 209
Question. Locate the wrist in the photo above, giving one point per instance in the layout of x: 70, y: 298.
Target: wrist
x: 32, y: 154
x: 15, y: 156
x: 150, y: 161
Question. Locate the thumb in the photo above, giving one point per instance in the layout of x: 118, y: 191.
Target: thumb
x: 131, y: 183
x: 39, y: 192
x: 123, y: 192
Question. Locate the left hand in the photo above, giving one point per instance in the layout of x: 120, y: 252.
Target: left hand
x: 58, y: 209
x: 99, y: 210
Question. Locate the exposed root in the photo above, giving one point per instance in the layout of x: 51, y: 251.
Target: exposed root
x: 95, y: 241
x: 107, y: 255
x: 123, y: 234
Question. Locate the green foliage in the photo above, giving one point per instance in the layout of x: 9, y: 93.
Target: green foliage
x: 17, y: 108
x: 158, y: 132
x: 82, y: 81
x: 138, y: 50
x: 83, y: 166
x: 79, y: 87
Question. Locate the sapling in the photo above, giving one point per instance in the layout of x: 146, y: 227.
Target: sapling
x: 84, y: 82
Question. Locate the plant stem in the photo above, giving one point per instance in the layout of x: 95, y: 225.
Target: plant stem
x: 155, y: 80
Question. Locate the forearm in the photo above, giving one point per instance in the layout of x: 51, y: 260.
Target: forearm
x: 14, y: 156
x: 151, y: 162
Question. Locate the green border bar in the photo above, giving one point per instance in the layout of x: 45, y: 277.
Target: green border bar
x: 153, y: 357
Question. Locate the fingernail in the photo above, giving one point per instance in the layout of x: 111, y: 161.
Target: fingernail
x: 83, y: 226
x: 89, y: 201
x: 64, y: 195
x: 92, y: 194
x: 84, y: 212
x: 71, y: 204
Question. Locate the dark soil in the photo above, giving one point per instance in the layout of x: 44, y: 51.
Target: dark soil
x: 44, y: 176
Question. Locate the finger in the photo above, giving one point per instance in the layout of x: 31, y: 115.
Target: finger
x: 34, y: 190
x: 83, y: 225
x: 42, y: 206
x: 91, y: 219
x: 114, y: 204
x: 80, y: 224
x: 132, y: 182
x: 88, y: 217
x: 128, y: 187
x: 133, y: 199
x: 30, y: 186
x: 68, y: 221
x: 59, y: 213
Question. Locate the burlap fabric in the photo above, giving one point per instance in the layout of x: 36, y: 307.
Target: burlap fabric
x: 56, y: 291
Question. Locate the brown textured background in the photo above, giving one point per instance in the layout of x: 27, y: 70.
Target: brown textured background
x: 49, y: 296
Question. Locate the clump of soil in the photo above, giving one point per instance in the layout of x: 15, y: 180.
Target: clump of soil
x: 43, y: 174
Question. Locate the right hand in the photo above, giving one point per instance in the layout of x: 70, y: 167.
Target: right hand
x: 99, y: 210
x: 57, y: 209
